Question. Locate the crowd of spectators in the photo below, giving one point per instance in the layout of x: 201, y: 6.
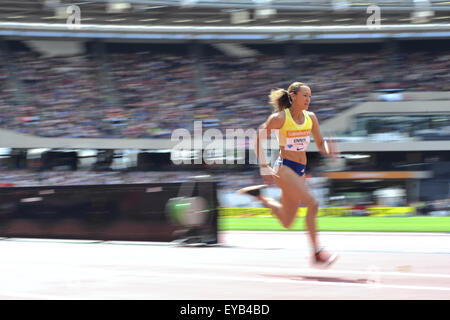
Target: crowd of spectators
x: 146, y: 94
x: 6, y: 96
x: 62, y: 96
x: 423, y: 71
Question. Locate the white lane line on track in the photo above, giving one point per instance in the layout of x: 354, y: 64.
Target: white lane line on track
x: 258, y: 278
x: 239, y: 279
x: 369, y: 270
x: 148, y: 277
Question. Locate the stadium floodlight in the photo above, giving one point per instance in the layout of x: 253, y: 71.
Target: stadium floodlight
x: 422, y: 12
x: 262, y: 3
x: 117, y: 7
x: 52, y: 3
x: 241, y: 16
x: 340, y: 5
x: 263, y: 9
x: 264, y: 13
x: 421, y: 16
x: 188, y: 3
x: 61, y: 12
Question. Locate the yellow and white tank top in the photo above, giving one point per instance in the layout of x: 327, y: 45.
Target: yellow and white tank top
x: 293, y: 136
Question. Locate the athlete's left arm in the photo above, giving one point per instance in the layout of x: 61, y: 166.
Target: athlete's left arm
x: 326, y: 148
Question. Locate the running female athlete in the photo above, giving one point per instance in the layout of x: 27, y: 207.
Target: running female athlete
x: 293, y: 124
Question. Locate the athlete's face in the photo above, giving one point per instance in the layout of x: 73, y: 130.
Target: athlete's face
x: 302, y: 98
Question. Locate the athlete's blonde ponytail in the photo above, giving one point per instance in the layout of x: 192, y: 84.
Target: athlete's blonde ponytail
x: 280, y: 99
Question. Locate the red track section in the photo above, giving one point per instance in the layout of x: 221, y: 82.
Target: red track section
x: 247, y: 265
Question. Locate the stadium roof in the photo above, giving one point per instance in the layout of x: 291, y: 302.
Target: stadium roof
x: 225, y: 13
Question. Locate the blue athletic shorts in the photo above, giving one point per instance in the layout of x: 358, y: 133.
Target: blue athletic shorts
x: 299, y: 168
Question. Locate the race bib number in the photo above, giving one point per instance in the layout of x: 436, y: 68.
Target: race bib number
x: 297, y: 140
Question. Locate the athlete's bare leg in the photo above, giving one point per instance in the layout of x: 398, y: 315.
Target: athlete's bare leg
x: 285, y: 211
x: 295, y: 188
x: 293, y: 191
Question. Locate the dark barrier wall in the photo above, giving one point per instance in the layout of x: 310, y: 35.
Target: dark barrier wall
x: 135, y: 212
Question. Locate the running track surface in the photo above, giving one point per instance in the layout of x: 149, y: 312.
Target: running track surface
x: 246, y: 265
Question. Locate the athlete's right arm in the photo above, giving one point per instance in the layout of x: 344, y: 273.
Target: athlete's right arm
x: 274, y: 121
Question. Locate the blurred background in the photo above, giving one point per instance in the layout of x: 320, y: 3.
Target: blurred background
x: 91, y: 92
